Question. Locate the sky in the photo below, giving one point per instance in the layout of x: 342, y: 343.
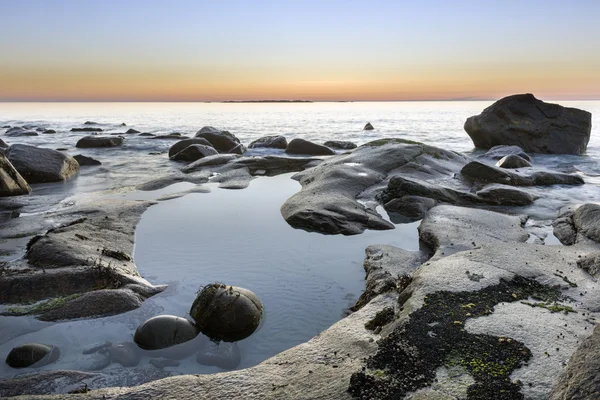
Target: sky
x: 180, y: 50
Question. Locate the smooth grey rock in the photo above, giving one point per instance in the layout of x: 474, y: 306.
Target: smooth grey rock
x: 301, y: 146
x: 273, y: 142
x: 223, y: 355
x: 38, y: 165
x: 409, y: 208
x: 506, y: 195
x: 181, y: 145
x: 194, y: 152
x: 227, y: 313
x: 11, y: 182
x: 222, y: 141
x: 498, y: 152
x: 340, y: 145
x: 32, y: 355
x: 87, y: 129
x: 164, y: 331
x: 368, y: 127
x: 513, y: 161
x: 532, y: 124
x: 99, y: 141
x: 86, y: 161
x: 480, y: 172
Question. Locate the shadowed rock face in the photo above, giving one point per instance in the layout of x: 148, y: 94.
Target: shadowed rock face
x: 11, y: 182
x: 532, y: 124
x: 38, y: 165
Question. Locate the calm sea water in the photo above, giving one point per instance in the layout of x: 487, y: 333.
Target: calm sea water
x: 305, y: 280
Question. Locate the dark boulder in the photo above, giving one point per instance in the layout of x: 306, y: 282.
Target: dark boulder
x: 480, y: 172
x: 209, y: 161
x: 164, y: 331
x: 86, y: 161
x: 177, y: 147
x: 223, y: 355
x: 301, y: 146
x: 86, y: 129
x: 409, y: 208
x: 90, y: 123
x: 146, y: 134
x: 340, y: 145
x: 99, y: 141
x: 32, y: 355
x: 506, y: 195
x: 194, y: 152
x: 11, y: 182
x: 498, y: 152
x: 273, y: 142
x: 48, y: 131
x: 223, y: 141
x: 131, y: 130
x: 513, y: 161
x: 227, y: 313
x: 532, y: 124
x: 38, y: 165
x: 368, y: 127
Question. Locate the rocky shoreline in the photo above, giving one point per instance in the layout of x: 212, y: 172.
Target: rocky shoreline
x: 491, y: 313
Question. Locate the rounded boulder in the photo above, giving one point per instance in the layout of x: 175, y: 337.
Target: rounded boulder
x: 164, y: 331
x: 32, y: 354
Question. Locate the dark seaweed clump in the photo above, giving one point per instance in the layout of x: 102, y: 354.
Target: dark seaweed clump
x: 434, y: 336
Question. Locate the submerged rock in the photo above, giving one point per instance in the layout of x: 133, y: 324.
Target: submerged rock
x: 368, y: 127
x: 273, y: 142
x: 38, y: 165
x: 86, y: 161
x: 32, y: 355
x: 301, y: 146
x: 223, y: 141
x: 480, y: 172
x: 127, y: 354
x: 86, y: 129
x: 340, y: 145
x: 513, y: 161
x: 223, y: 355
x: 131, y: 130
x: 194, y: 152
x: 532, y: 124
x: 164, y: 331
x: 227, y: 313
x: 99, y: 141
x: 177, y: 147
x: 11, y: 182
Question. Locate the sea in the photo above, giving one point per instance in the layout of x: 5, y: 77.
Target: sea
x: 306, y: 281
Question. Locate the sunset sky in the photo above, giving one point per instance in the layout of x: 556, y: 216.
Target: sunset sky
x: 84, y: 50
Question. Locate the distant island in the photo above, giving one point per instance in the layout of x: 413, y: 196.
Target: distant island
x: 267, y: 101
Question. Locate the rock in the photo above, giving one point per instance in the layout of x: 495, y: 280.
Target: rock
x: 20, y: 132
x: 368, y: 127
x: 32, y: 355
x: 127, y: 354
x: 131, y: 130
x: 400, y: 186
x: 210, y: 161
x: 498, y: 152
x: 38, y: 165
x: 513, y: 161
x: 581, y: 378
x: 164, y: 331
x: 86, y: 161
x: 90, y: 123
x: 227, y: 313
x: 590, y: 264
x: 99, y: 141
x: 301, y: 146
x: 179, y: 146
x: 222, y: 141
x: 506, y: 195
x: 11, y: 182
x: 194, y: 152
x: 163, y: 363
x: 97, y: 303
x: 273, y: 142
x: 577, y: 226
x: 172, y: 136
x: 274, y: 165
x: 408, y: 208
x: 48, y: 131
x: 532, y: 124
x: 340, y: 145
x: 223, y: 355
x: 564, y: 228
x: 86, y: 129
x: 480, y: 172
x: 98, y: 347
x: 3, y: 144
x: 146, y: 134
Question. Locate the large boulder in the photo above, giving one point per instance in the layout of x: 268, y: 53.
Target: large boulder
x: 227, y: 313
x: 532, y: 124
x: 513, y: 161
x: 11, y: 182
x: 194, y: 152
x: 301, y: 146
x: 164, y: 331
x: 38, y: 165
x: 99, y: 141
x: 273, y: 142
x: 223, y: 141
x: 32, y: 354
x: 182, y: 144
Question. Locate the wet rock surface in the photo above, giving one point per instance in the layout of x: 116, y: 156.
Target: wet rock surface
x: 223, y: 355
x: 498, y: 152
x: 480, y: 172
x: 301, y: 146
x: 32, y: 355
x: 532, y: 124
x: 272, y: 142
x: 38, y: 165
x: 194, y: 152
x: 181, y: 145
x: 513, y: 161
x: 99, y: 141
x: 164, y: 331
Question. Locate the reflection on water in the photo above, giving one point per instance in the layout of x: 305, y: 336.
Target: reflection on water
x: 306, y: 281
